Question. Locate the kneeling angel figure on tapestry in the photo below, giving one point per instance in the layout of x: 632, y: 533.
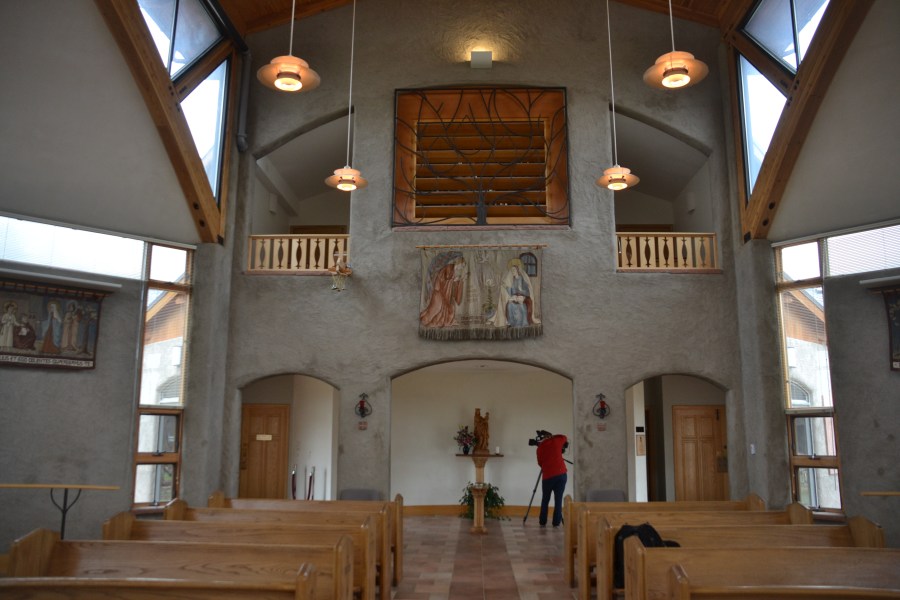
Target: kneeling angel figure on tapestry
x: 476, y: 292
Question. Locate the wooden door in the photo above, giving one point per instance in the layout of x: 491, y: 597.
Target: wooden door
x: 264, y: 450
x: 701, y: 460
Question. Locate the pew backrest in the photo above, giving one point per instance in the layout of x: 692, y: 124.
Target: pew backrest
x: 572, y: 513
x: 394, y: 515
x: 596, y: 552
x: 647, y: 570
x: 42, y: 554
x: 179, y: 510
x: 124, y: 526
x: 74, y: 588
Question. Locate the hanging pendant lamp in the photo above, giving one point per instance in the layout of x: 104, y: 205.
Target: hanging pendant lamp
x: 616, y: 177
x: 675, y: 69
x: 347, y: 178
x: 289, y: 73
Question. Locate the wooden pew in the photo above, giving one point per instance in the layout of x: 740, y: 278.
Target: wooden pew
x: 179, y: 510
x: 124, y: 526
x: 775, y: 572
x: 273, y: 571
x: 589, y: 531
x: 858, y: 532
x: 572, y: 510
x: 394, y: 526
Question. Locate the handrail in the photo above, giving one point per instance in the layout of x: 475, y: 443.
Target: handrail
x: 667, y: 252
x: 296, y: 254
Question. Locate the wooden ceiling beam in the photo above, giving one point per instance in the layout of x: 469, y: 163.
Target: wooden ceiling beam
x: 127, y: 26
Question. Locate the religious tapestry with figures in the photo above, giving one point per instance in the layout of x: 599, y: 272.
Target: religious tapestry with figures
x: 480, y: 293
x: 48, y: 326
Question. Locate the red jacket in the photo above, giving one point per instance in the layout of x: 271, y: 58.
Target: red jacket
x: 549, y: 456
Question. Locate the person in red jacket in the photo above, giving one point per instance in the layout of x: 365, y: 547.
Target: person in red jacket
x: 553, y: 475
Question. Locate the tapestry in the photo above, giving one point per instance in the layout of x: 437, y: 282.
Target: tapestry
x: 48, y: 326
x: 892, y: 303
x: 480, y: 293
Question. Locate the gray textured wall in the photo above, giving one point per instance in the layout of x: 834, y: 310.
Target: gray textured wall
x: 606, y: 331
x: 72, y: 426
x: 866, y: 395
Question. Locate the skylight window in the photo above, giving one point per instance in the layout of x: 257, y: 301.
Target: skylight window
x: 761, y: 106
x: 192, y: 29
x: 784, y: 28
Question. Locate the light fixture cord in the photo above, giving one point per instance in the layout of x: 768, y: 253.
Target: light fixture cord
x: 612, y: 86
x: 671, y: 26
x: 293, y: 18
x: 350, y: 99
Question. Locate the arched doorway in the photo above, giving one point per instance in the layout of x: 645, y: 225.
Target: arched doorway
x: 302, y: 463
x: 678, y: 450
x: 429, y: 405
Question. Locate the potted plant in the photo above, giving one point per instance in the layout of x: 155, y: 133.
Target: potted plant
x: 465, y: 439
x: 493, y: 502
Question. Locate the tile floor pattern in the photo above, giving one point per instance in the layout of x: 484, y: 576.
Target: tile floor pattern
x: 513, y: 561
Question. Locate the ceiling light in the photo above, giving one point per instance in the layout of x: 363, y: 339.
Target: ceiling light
x: 675, y: 69
x: 348, y: 179
x: 288, y: 73
x: 615, y: 178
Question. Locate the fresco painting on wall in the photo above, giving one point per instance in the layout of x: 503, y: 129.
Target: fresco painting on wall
x: 892, y: 303
x: 44, y: 326
x: 480, y: 293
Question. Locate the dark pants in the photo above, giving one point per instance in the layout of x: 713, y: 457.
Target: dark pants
x: 557, y: 487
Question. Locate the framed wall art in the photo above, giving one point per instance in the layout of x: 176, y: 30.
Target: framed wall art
x: 48, y: 326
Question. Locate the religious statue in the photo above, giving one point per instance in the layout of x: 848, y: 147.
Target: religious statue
x: 482, y: 434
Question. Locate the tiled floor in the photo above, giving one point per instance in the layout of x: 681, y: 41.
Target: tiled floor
x: 444, y: 561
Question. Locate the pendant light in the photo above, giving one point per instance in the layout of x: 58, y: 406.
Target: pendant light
x: 347, y: 178
x: 289, y: 73
x: 616, y: 177
x: 675, y: 69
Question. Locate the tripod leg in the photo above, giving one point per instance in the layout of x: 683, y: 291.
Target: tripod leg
x: 533, y: 492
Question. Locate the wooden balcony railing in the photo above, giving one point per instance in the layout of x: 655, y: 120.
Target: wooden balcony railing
x: 296, y: 254
x: 668, y: 252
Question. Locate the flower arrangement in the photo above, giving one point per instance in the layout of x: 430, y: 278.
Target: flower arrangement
x: 464, y: 437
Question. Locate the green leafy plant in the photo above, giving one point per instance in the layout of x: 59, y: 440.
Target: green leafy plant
x: 493, y: 502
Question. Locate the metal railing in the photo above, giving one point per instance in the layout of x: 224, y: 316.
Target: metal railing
x: 667, y: 252
x: 296, y: 254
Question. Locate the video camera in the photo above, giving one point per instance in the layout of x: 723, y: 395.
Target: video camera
x: 540, y: 436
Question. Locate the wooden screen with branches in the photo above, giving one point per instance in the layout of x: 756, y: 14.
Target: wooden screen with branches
x: 480, y: 156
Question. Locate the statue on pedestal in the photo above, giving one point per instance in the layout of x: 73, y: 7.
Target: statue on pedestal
x: 482, y: 435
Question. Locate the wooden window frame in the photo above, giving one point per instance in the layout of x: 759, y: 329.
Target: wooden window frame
x: 465, y: 157
x: 160, y: 458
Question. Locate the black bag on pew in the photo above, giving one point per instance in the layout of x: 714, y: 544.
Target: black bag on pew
x: 648, y: 536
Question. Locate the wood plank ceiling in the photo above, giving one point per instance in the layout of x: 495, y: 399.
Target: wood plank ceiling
x: 249, y: 16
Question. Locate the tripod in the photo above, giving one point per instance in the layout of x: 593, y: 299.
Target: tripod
x: 534, y: 491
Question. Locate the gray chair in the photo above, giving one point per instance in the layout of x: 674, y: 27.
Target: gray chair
x: 359, y: 494
x: 596, y: 495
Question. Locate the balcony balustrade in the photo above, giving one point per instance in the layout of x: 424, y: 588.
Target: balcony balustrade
x: 668, y: 252
x: 296, y: 254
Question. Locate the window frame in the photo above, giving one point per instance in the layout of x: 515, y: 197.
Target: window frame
x: 480, y: 108
x: 158, y: 458
x: 796, y: 461
x: 166, y: 458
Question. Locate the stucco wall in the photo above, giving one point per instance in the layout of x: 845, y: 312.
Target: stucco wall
x: 866, y: 395
x: 72, y: 426
x: 603, y: 330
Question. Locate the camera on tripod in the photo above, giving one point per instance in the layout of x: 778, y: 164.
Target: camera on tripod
x: 540, y: 437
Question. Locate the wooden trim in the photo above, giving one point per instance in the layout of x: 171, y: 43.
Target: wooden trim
x: 305, y: 8
x: 834, y: 35
x: 489, y: 129
x: 130, y: 32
